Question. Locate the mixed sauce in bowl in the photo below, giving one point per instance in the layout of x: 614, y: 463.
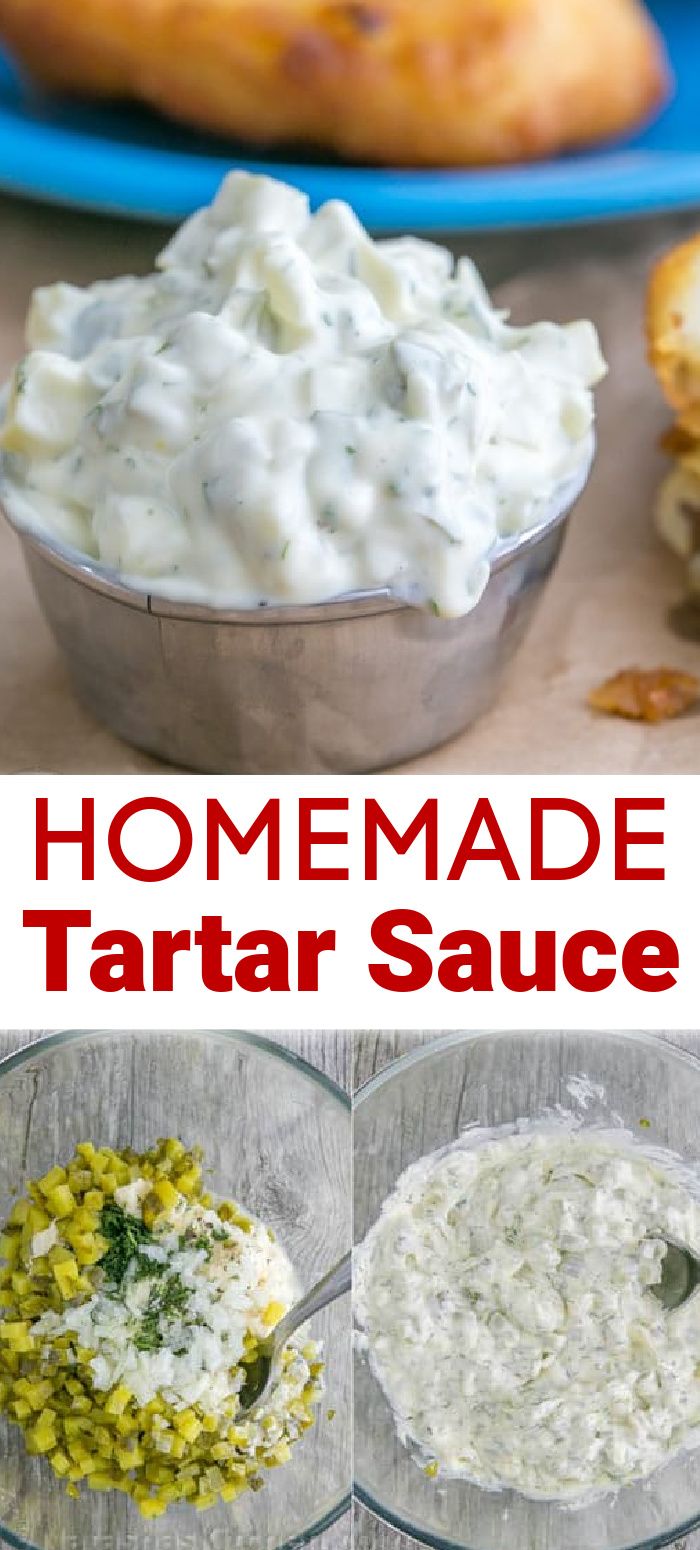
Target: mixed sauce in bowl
x: 504, y: 1300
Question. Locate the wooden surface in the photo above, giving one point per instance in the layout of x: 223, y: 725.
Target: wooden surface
x: 606, y: 608
x: 352, y: 1060
x: 372, y: 1051
x: 328, y: 1052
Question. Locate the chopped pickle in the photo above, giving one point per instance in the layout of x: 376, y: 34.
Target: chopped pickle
x: 118, y: 1263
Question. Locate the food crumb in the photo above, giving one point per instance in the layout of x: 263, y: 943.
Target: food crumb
x: 638, y: 694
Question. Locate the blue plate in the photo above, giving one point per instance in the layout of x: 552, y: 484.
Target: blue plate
x: 134, y: 163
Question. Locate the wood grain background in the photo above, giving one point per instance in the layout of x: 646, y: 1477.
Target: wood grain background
x: 351, y: 1059
x: 328, y: 1052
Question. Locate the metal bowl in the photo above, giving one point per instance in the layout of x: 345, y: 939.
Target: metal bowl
x: 344, y: 687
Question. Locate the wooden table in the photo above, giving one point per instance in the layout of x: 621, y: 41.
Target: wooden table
x: 373, y: 1051
x: 607, y: 607
x: 352, y: 1059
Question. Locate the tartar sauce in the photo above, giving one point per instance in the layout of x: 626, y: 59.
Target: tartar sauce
x: 286, y: 411
x: 503, y: 1299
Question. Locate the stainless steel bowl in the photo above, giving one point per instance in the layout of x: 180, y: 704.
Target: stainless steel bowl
x: 347, y: 687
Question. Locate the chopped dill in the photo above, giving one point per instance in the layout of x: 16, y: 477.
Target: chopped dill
x: 125, y: 1236
x: 165, y: 1302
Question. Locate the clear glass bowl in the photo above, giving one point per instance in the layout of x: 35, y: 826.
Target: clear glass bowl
x: 421, y: 1103
x: 276, y: 1134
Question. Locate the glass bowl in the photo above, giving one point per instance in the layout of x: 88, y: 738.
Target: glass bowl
x: 276, y: 1134
x: 421, y: 1103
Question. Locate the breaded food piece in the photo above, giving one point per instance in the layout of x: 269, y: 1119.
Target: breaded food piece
x: 673, y: 335
x: 653, y: 694
x: 678, y: 510
x: 673, y: 342
x: 432, y: 82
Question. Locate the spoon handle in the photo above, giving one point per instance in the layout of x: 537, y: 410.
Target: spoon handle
x: 334, y: 1284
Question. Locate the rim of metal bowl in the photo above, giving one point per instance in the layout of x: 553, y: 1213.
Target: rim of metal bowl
x: 106, y: 580
x: 27, y: 1052
x: 412, y: 1058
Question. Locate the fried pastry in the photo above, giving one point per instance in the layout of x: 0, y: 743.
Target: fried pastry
x: 657, y: 694
x: 673, y: 341
x: 673, y: 333
x: 432, y: 82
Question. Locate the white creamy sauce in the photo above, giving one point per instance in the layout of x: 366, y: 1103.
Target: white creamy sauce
x: 503, y: 1299
x: 287, y: 411
x: 228, y: 1277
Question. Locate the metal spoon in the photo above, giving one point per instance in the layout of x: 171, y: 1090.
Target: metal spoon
x: 265, y: 1367
x: 680, y: 1273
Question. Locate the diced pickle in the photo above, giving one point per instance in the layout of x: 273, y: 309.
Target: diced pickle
x: 156, y: 1454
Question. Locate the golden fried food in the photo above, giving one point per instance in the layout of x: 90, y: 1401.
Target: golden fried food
x: 678, y: 510
x: 673, y: 335
x: 656, y: 694
x: 673, y: 342
x: 442, y: 82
